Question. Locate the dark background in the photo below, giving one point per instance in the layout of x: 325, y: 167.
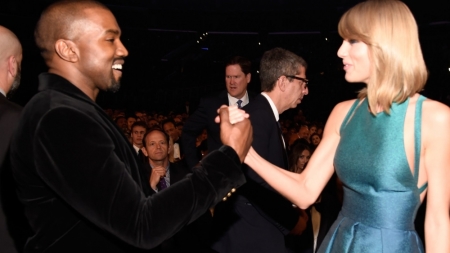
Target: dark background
x: 169, y: 63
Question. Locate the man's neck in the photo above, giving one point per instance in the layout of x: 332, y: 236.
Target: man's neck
x: 164, y: 163
x: 275, y: 100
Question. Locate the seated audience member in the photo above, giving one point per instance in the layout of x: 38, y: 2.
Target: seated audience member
x: 121, y: 122
x: 312, y: 129
x: 162, y: 174
x: 179, y: 127
x: 321, y: 214
x: 168, y: 126
x: 314, y: 141
x: 138, y: 130
x: 299, y: 156
x: 303, y: 132
x: 141, y: 116
x: 152, y: 123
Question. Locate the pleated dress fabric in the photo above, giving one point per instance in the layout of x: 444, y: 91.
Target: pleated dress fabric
x: 381, y: 197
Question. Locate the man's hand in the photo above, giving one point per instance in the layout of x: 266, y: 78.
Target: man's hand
x: 238, y: 135
x: 157, y: 173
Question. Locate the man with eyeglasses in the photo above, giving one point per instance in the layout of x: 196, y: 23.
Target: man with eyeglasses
x: 256, y: 218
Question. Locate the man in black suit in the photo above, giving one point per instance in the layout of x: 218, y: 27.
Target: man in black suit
x: 257, y: 218
x: 10, y: 209
x: 77, y: 174
x: 237, y: 77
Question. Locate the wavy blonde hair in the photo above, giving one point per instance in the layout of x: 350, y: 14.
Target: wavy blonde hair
x: 390, y: 31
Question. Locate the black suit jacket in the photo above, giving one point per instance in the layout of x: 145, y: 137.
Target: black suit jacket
x: 203, y: 118
x: 9, y: 118
x: 79, y: 179
x: 257, y: 218
x: 14, y: 227
x: 193, y: 237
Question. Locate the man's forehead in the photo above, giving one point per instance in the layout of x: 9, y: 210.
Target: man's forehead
x: 233, y: 68
x: 155, y: 133
x: 100, y: 19
x: 139, y: 128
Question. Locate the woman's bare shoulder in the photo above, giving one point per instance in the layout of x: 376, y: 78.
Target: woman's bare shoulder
x: 435, y: 112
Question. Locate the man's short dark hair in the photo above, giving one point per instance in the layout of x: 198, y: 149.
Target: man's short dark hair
x: 151, y: 130
x: 278, y: 62
x: 132, y: 116
x: 139, y: 123
x: 167, y: 121
x: 57, y: 21
x: 119, y: 117
x: 244, y: 63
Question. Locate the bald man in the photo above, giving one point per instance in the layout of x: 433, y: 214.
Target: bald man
x: 10, y: 208
x: 77, y: 173
x: 10, y: 60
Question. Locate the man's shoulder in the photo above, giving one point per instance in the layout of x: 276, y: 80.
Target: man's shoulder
x: 9, y: 108
x: 257, y: 103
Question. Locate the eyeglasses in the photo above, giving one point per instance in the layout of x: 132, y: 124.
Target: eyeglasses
x: 299, y: 78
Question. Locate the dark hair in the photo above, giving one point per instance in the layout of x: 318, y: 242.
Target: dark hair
x: 139, y: 123
x: 313, y: 146
x: 119, y: 117
x: 151, y: 130
x: 296, y: 150
x: 167, y: 121
x: 131, y: 116
x: 57, y: 21
x: 244, y: 63
x: 277, y: 62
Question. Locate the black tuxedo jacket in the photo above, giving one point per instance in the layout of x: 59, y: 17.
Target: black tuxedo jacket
x: 14, y: 227
x: 203, y: 118
x: 79, y: 179
x: 257, y: 218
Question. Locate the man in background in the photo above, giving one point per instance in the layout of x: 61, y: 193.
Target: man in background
x: 257, y: 218
x: 13, y: 225
x: 237, y: 77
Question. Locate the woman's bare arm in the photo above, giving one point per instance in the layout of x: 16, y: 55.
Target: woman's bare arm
x: 436, y: 138
x: 303, y: 189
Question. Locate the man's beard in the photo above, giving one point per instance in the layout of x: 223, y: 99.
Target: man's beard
x: 115, y: 85
x: 15, y: 83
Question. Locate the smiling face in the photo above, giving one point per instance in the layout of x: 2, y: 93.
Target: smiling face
x: 101, y: 53
x: 356, y: 60
x: 236, y: 81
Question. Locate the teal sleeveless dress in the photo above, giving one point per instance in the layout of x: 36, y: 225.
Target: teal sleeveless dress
x: 381, y: 197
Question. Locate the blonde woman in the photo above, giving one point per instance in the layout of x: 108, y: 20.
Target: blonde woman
x: 389, y: 146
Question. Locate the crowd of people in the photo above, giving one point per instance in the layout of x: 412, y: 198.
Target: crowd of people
x: 235, y: 175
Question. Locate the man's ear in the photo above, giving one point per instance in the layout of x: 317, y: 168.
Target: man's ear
x: 169, y: 150
x: 144, y: 151
x: 281, y: 83
x: 67, y: 50
x: 248, y: 77
x: 12, y: 66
